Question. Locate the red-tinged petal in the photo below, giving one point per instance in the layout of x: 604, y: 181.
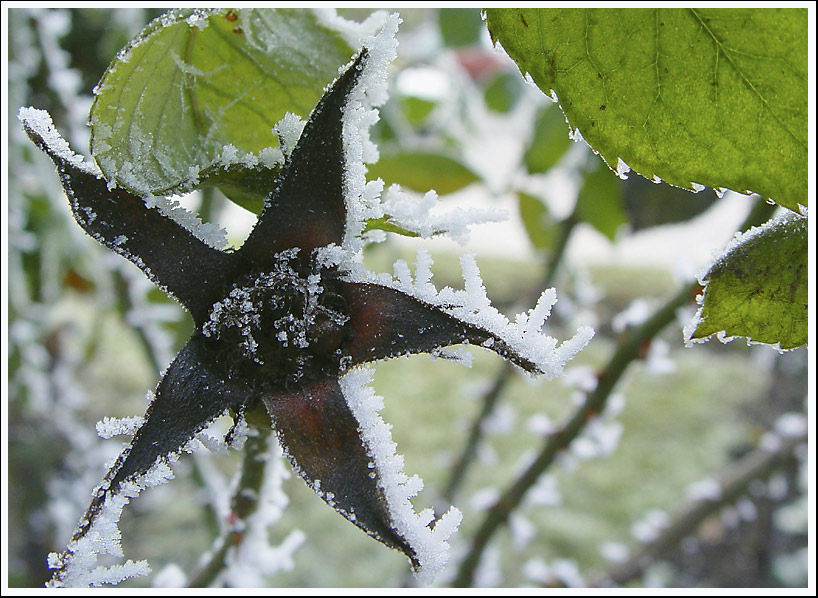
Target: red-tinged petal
x: 386, y: 322
x: 307, y: 208
x: 171, y: 256
x: 321, y: 438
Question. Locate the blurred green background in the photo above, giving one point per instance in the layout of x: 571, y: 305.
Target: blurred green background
x: 88, y: 336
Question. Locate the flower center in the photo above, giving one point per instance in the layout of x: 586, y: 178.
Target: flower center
x: 280, y: 321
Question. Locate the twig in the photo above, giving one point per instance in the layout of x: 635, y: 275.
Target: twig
x: 758, y: 464
x: 629, y: 348
x: 243, y: 505
x: 476, y: 433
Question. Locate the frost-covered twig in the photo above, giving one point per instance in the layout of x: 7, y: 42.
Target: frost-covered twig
x: 757, y: 465
x: 489, y: 401
x: 495, y: 391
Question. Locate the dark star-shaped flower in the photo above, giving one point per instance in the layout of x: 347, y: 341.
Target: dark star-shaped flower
x: 276, y: 322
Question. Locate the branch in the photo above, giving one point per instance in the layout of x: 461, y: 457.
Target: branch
x: 629, y: 348
x: 757, y: 465
x: 476, y: 432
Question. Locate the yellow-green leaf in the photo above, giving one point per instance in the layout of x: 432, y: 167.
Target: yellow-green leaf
x: 713, y: 96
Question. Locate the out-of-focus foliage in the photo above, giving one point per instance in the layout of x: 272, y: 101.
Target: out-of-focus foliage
x: 460, y: 26
x: 421, y: 171
x: 600, y: 200
x: 549, y: 142
x: 654, y: 204
x: 539, y: 223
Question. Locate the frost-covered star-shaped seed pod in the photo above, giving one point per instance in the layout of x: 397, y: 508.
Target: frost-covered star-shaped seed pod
x: 288, y: 320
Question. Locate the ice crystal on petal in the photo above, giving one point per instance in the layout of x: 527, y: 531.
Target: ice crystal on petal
x: 109, y: 427
x: 77, y: 567
x: 429, y: 543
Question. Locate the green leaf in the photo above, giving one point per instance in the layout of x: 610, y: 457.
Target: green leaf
x: 194, y: 81
x: 758, y: 289
x: 540, y: 226
x: 716, y: 97
x: 421, y: 171
x: 460, y: 26
x: 247, y: 187
x: 600, y: 201
x: 550, y: 140
x: 650, y: 204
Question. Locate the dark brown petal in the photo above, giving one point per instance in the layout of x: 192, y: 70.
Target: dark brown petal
x: 385, y: 322
x: 171, y: 256
x: 320, y: 436
x: 193, y: 392
x: 307, y: 208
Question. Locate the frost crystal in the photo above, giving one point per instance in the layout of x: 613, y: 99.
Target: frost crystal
x: 472, y: 305
x: 114, y: 426
x: 40, y: 122
x: 77, y: 566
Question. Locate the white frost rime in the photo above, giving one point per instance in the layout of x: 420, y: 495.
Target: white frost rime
x: 40, y: 122
x: 429, y: 543
x: 78, y: 565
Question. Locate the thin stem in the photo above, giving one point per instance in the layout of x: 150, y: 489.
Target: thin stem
x: 503, y: 377
x: 476, y: 433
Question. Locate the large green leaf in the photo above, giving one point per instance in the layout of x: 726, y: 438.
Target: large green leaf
x: 421, y: 171
x: 716, y: 97
x: 758, y: 289
x: 194, y: 81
